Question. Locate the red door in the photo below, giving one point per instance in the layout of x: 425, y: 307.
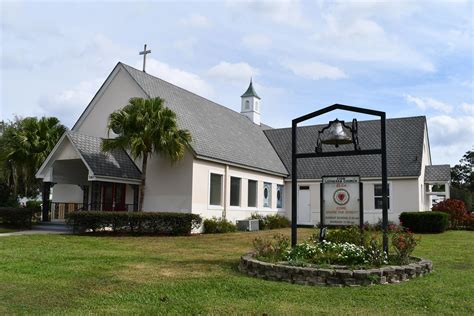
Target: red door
x: 113, y: 197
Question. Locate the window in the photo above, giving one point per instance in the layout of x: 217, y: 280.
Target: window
x: 247, y: 104
x: 256, y: 106
x: 267, y: 194
x: 279, y: 196
x: 252, y: 193
x: 235, y: 191
x: 378, y: 196
x: 215, y: 194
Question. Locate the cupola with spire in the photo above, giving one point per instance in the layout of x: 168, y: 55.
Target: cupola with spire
x: 251, y: 104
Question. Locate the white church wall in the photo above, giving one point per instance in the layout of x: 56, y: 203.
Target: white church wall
x: 201, y: 188
x: 114, y: 95
x: 403, y: 197
x: 70, y: 193
x: 424, y: 200
x: 168, y: 186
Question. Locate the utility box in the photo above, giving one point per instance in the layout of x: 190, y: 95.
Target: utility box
x: 248, y: 225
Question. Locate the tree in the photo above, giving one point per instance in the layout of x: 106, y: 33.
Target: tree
x: 24, y: 145
x: 462, y: 185
x: 144, y: 127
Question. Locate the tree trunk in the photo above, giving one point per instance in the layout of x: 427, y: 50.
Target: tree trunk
x: 142, y: 185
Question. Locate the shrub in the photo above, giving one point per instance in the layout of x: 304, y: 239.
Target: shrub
x: 34, y: 204
x: 271, y: 250
x: 349, y: 234
x: 17, y: 217
x: 468, y: 221
x: 403, y: 242
x: 425, y: 222
x: 455, y: 208
x: 218, y: 226
x: 272, y: 221
x: 161, y: 223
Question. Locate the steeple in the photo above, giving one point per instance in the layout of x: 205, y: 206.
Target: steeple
x: 251, y: 104
x: 250, y: 91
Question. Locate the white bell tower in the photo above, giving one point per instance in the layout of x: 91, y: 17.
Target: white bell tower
x: 251, y: 104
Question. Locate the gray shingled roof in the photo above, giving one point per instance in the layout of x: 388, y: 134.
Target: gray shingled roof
x: 404, y: 150
x: 438, y: 173
x: 116, y: 163
x: 218, y: 132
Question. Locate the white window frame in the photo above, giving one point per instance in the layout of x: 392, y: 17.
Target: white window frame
x: 256, y: 194
x: 209, y: 205
x: 282, y: 190
x: 271, y: 196
x: 380, y: 196
x: 230, y: 192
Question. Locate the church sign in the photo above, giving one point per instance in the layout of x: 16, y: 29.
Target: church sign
x: 341, y: 202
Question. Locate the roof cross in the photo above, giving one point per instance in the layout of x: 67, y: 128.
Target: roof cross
x: 144, y: 53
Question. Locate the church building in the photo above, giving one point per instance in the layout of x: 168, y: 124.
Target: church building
x: 236, y: 165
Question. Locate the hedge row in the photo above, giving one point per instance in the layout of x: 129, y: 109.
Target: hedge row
x: 425, y: 222
x: 157, y: 223
x: 17, y: 217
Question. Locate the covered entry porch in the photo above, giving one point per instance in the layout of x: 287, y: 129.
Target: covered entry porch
x: 77, y: 176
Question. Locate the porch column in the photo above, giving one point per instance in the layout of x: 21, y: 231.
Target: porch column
x: 135, y: 197
x: 85, y: 197
x: 95, y: 195
x: 46, y: 201
x: 446, y: 191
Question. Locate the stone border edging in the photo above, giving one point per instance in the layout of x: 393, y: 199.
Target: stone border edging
x: 334, y: 276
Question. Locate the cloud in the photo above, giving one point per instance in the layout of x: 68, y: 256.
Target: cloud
x: 467, y: 108
x: 451, y: 137
x: 429, y: 103
x: 68, y: 104
x: 256, y: 42
x: 196, y: 20
x: 347, y: 36
x: 284, y: 12
x: 315, y: 70
x: 235, y: 72
x: 181, y: 78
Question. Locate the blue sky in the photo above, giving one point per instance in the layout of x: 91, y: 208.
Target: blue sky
x: 403, y: 57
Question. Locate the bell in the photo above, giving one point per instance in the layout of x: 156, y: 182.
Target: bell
x: 337, y: 135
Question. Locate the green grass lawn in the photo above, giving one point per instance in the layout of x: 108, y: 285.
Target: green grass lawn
x: 61, y: 274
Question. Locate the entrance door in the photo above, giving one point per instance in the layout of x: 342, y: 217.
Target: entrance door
x: 113, y: 197
x: 108, y: 197
x: 304, y: 205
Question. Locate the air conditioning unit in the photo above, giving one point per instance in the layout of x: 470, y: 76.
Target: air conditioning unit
x: 248, y: 225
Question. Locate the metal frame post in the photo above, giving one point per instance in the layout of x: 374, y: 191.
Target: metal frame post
x: 294, y: 184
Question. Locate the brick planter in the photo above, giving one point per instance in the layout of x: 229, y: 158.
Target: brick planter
x: 334, y: 275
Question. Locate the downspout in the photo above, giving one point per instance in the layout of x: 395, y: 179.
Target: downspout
x: 224, y: 212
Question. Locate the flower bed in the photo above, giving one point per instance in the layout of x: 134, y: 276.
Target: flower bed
x: 333, y: 275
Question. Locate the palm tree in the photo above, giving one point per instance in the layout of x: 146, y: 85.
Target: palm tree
x: 25, y: 144
x: 144, y: 127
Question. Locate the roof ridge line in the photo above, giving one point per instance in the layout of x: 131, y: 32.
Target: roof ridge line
x: 181, y: 88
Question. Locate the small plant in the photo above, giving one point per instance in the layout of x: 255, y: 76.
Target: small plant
x: 305, y: 252
x: 218, y: 226
x: 403, y: 242
x: 374, y: 253
x: 271, y: 250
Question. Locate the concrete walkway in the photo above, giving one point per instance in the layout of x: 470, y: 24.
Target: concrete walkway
x: 42, y: 229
